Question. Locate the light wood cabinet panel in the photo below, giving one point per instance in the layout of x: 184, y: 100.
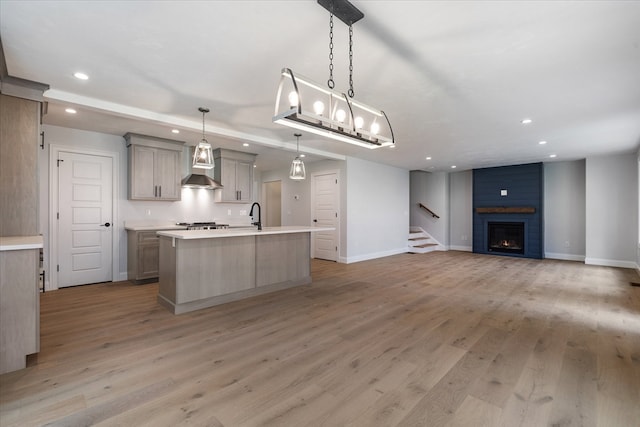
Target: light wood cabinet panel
x: 154, y: 168
x: 167, y: 174
x: 244, y: 175
x: 234, y: 170
x: 19, y: 136
x: 19, y: 308
x: 143, y: 179
x: 270, y: 251
x: 143, y: 249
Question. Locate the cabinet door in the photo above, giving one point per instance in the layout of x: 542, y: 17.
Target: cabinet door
x: 142, y: 172
x: 167, y: 174
x: 228, y: 176
x: 243, y: 180
x: 148, y: 261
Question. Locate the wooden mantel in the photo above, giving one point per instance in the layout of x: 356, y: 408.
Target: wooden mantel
x: 507, y: 210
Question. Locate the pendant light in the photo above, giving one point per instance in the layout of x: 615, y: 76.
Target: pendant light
x: 297, y: 166
x: 203, y: 154
x: 305, y: 105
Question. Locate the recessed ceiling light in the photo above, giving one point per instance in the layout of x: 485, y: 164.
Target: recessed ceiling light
x: 245, y: 144
x: 453, y: 167
x: 255, y: 166
x: 428, y: 158
x: 526, y: 121
x: 303, y: 155
x: 391, y: 146
x: 552, y: 155
x: 80, y: 76
x: 542, y: 142
x: 70, y: 110
x: 175, y: 131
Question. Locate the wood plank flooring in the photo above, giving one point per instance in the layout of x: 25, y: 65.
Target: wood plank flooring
x: 439, y: 339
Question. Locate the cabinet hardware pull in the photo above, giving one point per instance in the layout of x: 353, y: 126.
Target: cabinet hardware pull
x: 159, y: 190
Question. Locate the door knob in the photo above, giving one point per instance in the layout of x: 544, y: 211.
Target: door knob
x: 106, y: 224
x: 315, y: 220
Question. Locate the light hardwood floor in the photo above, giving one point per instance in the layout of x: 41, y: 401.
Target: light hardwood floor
x: 440, y: 339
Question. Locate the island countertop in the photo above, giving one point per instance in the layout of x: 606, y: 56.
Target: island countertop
x: 239, y: 232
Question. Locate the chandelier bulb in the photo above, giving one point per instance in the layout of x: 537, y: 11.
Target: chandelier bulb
x: 359, y: 122
x: 293, y: 99
x: 318, y: 107
x: 341, y: 115
x: 375, y: 128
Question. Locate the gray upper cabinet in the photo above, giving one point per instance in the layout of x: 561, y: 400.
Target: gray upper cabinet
x: 154, y: 168
x: 234, y: 170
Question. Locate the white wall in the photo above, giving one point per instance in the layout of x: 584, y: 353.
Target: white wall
x: 564, y: 210
x: 461, y: 210
x: 432, y: 190
x: 196, y: 204
x: 377, y: 214
x: 612, y: 210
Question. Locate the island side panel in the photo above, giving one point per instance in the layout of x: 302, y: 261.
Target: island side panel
x: 167, y: 270
x: 282, y: 258
x: 19, y: 308
x: 212, y: 267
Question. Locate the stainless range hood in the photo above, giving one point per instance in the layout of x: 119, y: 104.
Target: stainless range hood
x: 196, y: 180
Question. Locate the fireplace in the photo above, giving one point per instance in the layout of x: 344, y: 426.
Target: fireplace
x: 506, y: 237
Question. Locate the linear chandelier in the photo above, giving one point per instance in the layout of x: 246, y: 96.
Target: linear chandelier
x: 305, y: 105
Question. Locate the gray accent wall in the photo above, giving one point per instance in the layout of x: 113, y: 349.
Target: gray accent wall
x: 376, y: 209
x: 564, y: 210
x: 460, y: 210
x: 612, y: 210
x: 432, y: 190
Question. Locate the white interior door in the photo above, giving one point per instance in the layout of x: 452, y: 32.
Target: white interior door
x: 85, y: 230
x: 325, y: 191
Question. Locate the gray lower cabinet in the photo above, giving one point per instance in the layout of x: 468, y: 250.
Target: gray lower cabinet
x: 143, y: 255
x: 19, y: 308
x: 234, y: 170
x: 154, y: 168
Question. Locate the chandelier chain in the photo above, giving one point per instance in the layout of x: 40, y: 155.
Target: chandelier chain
x: 330, y: 82
x: 351, y: 93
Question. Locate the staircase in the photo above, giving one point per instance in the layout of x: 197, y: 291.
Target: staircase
x: 421, y: 242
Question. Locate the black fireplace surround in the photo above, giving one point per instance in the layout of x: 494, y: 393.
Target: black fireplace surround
x: 507, y: 211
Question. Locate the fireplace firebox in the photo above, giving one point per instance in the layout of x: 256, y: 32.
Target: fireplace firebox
x: 506, y: 237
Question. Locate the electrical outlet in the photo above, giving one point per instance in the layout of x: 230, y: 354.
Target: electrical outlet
x: 243, y: 212
x: 463, y: 238
x: 148, y: 212
x: 228, y: 211
x: 567, y: 244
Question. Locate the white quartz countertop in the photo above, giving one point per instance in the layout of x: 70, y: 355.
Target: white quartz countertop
x: 18, y: 243
x: 239, y: 232
x: 151, y: 227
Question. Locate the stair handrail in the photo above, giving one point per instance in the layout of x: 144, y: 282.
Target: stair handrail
x: 432, y: 213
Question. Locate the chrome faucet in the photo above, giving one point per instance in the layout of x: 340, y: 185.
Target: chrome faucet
x: 259, y: 222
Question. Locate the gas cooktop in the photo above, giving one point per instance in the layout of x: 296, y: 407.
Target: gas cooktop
x: 202, y: 225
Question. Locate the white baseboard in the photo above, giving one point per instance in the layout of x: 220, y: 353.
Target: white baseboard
x: 610, y: 263
x: 366, y: 257
x: 123, y: 277
x: 461, y: 248
x: 564, y: 257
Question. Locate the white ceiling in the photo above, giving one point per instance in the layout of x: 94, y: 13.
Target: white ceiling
x: 455, y: 77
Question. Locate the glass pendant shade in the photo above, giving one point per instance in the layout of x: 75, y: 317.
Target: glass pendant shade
x: 305, y: 105
x: 297, y: 169
x: 203, y: 155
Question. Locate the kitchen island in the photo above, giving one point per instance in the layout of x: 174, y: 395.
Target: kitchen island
x: 203, y: 268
